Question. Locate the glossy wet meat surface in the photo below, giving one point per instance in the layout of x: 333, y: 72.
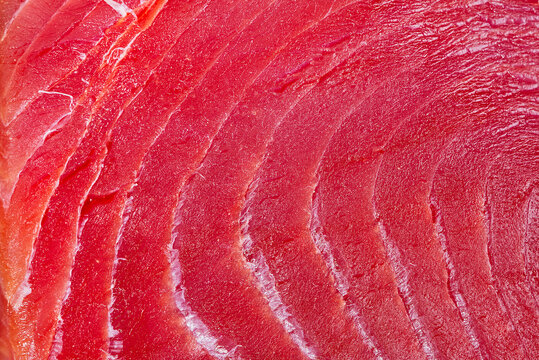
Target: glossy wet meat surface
x: 269, y: 179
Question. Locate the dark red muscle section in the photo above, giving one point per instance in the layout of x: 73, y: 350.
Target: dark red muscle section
x: 276, y: 231
x: 505, y: 206
x: 458, y: 201
x: 79, y: 297
x: 269, y: 179
x: 419, y: 258
x: 185, y: 146
x: 347, y: 168
x: 531, y: 249
x: 160, y: 328
x: 344, y: 229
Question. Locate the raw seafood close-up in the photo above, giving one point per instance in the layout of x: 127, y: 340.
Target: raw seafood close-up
x: 269, y: 179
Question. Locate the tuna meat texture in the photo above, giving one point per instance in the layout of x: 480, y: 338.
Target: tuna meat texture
x: 269, y: 179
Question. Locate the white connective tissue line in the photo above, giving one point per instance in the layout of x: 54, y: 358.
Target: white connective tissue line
x: 110, y: 57
x: 24, y: 289
x: 57, y: 341
x: 124, y: 50
x: 459, y: 299
x: 8, y: 24
x: 531, y: 213
x: 58, y: 124
x: 120, y: 8
x: 341, y: 282
x: 71, y: 101
x: 200, y: 331
x: 53, y: 127
x: 323, y: 246
x: 202, y: 334
x: 403, y: 284
x: 115, y: 344
x: 266, y: 284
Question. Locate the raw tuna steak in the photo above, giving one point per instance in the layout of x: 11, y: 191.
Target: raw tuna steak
x: 269, y: 180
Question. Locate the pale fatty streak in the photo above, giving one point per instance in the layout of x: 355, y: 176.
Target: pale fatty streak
x: 323, y: 246
x: 24, y: 289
